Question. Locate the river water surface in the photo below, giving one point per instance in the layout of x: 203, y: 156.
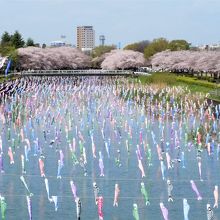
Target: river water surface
x: 49, y: 115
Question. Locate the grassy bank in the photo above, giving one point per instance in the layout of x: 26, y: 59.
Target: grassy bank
x: 170, y: 79
x: 4, y: 79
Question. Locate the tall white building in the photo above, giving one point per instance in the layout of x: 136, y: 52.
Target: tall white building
x: 85, y: 38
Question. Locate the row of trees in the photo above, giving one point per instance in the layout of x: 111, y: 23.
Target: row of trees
x: 138, y: 46
x: 52, y: 58
x: 107, y: 57
x: 9, y: 44
x: 158, y: 45
x: 16, y: 40
x: 100, y: 50
x: 187, y: 61
x: 72, y: 58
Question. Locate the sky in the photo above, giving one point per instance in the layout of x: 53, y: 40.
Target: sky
x: 121, y: 21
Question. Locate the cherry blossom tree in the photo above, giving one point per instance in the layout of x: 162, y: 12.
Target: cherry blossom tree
x: 207, y: 61
x: 123, y: 59
x: 52, y: 58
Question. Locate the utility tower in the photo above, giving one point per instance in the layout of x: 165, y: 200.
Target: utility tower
x: 102, y: 40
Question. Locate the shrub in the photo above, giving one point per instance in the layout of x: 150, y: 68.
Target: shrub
x: 197, y: 82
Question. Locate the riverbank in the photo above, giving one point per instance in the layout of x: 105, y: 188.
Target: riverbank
x: 10, y: 77
x: 192, y: 83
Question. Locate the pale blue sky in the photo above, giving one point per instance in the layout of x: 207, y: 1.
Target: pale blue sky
x: 125, y: 21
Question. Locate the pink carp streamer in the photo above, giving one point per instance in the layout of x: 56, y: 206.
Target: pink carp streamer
x: 164, y: 211
x: 194, y: 188
x: 10, y: 154
x: 73, y: 188
x: 41, y: 166
x: 159, y: 152
x: 93, y: 147
x: 1, y: 163
x: 117, y: 191
x: 140, y: 165
x: 100, y: 206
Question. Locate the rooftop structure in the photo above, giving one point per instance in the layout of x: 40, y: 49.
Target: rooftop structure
x: 57, y: 44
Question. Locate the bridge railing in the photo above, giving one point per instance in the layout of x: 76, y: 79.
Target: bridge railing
x: 77, y: 72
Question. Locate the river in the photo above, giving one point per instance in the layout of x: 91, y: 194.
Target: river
x: 82, y: 122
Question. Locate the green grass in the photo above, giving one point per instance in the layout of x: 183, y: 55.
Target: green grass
x: 170, y: 79
x: 3, y: 78
x: 197, y: 82
x: 159, y: 78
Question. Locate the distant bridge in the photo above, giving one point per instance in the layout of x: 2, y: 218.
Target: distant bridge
x: 90, y: 72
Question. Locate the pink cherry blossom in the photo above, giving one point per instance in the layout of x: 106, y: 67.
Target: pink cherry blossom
x: 52, y: 58
x: 123, y: 59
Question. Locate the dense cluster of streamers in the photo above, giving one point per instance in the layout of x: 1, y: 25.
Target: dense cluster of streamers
x: 106, y: 148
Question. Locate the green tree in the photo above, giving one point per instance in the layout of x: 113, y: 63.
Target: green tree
x: 10, y: 52
x: 156, y: 46
x: 138, y: 46
x: 30, y: 42
x: 17, y: 40
x: 5, y: 38
x: 100, y: 50
x: 175, y: 45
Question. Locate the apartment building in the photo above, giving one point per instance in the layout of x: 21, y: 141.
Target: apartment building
x: 85, y: 38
